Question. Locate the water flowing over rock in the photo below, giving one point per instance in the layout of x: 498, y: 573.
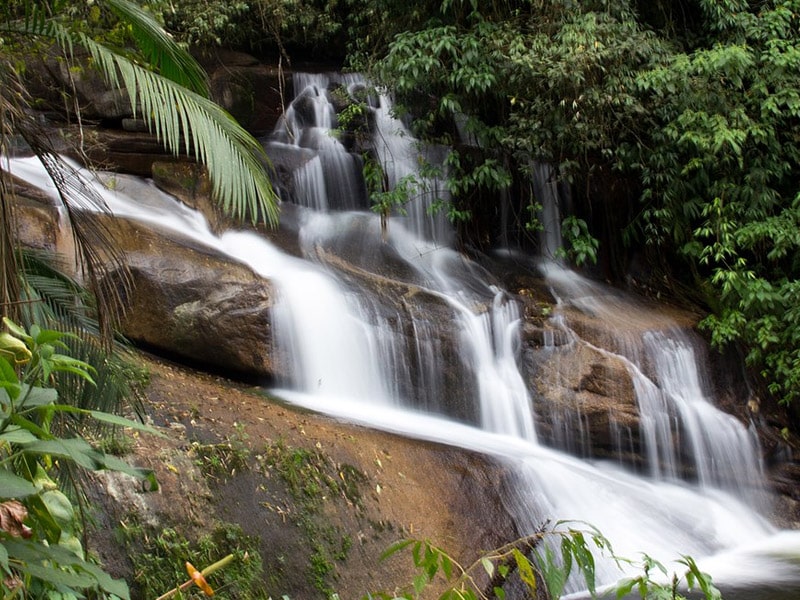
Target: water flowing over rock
x: 601, y: 407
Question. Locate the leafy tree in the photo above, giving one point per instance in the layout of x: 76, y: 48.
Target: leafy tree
x: 719, y: 173
x: 291, y: 27
x: 508, y: 85
x: 675, y: 123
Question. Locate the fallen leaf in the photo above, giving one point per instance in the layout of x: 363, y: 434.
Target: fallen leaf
x: 12, y: 515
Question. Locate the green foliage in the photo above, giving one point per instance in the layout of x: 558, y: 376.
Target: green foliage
x: 222, y: 460
x: 649, y: 588
x: 719, y: 176
x: 696, y: 116
x: 543, y: 563
x: 299, y: 25
x: 159, y: 559
x: 581, y: 246
x: 45, y: 556
x: 507, y: 85
x: 167, y: 88
x: 209, y: 23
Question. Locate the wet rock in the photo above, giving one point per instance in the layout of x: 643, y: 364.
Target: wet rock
x: 188, y: 301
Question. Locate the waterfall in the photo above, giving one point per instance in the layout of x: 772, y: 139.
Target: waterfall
x: 399, y: 331
x: 400, y: 156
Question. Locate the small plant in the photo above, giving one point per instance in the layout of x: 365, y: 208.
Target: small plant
x: 160, y: 563
x: 582, y: 247
x: 41, y: 553
x: 312, y: 479
x: 220, y: 461
x: 543, y: 562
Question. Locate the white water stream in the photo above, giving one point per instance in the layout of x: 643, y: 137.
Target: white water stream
x: 354, y: 361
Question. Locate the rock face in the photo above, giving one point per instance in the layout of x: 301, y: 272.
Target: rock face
x: 187, y: 301
x: 400, y: 488
x: 246, y: 87
x: 48, y: 73
x: 586, y: 403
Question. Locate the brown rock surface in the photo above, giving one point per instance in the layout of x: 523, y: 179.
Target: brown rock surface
x: 410, y: 488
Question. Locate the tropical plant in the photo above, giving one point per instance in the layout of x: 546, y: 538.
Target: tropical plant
x: 675, y: 124
x: 543, y: 563
x: 509, y: 86
x: 41, y: 554
x: 48, y: 405
x: 165, y: 86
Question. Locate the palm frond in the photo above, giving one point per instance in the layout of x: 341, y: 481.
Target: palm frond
x: 11, y: 112
x: 183, y: 120
x: 54, y: 300
x: 159, y: 49
x: 98, y: 255
x: 187, y: 122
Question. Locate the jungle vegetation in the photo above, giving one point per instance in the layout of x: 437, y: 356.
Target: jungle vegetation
x: 676, y: 122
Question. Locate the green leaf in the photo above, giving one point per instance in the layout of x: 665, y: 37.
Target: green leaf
x: 13, y: 349
x: 9, y: 380
x: 59, y: 577
x: 37, y: 396
x: 124, y: 422
x: 14, y: 486
x: 60, y: 508
x: 72, y: 571
x: 625, y: 587
x: 447, y: 565
x: 525, y: 570
x: 113, y: 463
x: 76, y: 449
x: 488, y: 566
x: 46, y: 336
x: 17, y: 331
x: 396, y: 547
x: 14, y: 434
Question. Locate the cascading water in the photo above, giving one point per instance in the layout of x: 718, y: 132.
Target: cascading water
x: 398, y: 331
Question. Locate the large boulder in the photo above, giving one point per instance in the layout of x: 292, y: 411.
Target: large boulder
x: 585, y: 400
x: 191, y: 302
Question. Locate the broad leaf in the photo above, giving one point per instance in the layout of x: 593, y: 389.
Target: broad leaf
x: 14, y: 486
x: 76, y: 449
x: 14, y: 434
x: 33, y: 396
x: 124, y: 422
